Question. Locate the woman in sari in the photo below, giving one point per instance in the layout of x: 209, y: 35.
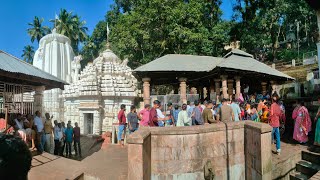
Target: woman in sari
x: 302, y: 124
x: 317, y: 134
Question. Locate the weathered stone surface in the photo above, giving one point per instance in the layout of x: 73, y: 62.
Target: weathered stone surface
x: 180, y: 152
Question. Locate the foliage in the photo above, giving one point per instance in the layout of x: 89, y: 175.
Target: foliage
x: 71, y: 26
x: 264, y: 25
x: 37, y: 31
x: 28, y: 53
x: 144, y: 30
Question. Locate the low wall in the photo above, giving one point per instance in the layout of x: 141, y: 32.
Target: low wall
x: 234, y: 150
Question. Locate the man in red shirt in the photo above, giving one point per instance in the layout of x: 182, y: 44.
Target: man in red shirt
x: 76, y: 139
x: 274, y: 122
x: 122, y: 124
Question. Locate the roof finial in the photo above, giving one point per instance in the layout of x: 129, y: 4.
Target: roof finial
x: 108, y: 32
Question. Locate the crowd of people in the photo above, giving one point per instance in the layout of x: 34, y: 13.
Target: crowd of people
x: 258, y: 108
x: 39, y: 134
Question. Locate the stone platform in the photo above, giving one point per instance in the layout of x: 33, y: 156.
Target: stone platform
x: 285, y: 163
x: 108, y: 163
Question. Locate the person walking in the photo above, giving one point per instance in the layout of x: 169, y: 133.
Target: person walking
x: 48, y: 128
x: 63, y: 140
x: 225, y: 112
x: 40, y: 132
x: 122, y: 124
x: 156, y: 116
x: 175, y: 114
x: 145, y: 115
x: 274, y: 122
x: 207, y: 114
x: 57, y: 137
x: 302, y: 124
x: 76, y: 140
x: 196, y: 114
x: 236, y: 109
x: 183, y: 118
x: 69, y: 137
x: 132, y: 119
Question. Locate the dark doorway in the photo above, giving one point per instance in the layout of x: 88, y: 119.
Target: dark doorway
x: 88, y: 123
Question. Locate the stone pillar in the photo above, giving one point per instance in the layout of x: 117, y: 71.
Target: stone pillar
x: 264, y: 87
x: 38, y: 99
x: 217, y: 86
x: 97, y: 123
x: 258, y: 157
x: 230, y: 87
x: 212, y: 88
x: 238, y: 86
x: 224, y: 86
x: 183, y: 90
x: 146, y: 90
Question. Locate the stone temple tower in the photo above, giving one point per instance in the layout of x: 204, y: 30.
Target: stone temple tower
x: 55, y: 56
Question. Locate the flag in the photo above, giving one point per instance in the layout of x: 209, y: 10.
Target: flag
x: 108, y: 30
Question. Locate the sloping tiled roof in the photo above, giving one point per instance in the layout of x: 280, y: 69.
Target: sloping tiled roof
x: 249, y: 64
x: 180, y: 62
x: 235, y: 59
x: 12, y: 64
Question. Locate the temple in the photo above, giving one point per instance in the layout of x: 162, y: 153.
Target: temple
x: 94, y: 99
x: 219, y: 76
x: 55, y: 56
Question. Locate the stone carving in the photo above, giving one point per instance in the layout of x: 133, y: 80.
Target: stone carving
x: 99, y: 90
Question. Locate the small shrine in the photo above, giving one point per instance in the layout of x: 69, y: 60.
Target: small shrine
x: 94, y: 98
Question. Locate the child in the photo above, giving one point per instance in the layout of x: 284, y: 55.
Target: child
x: 76, y: 141
x: 144, y: 115
x: 69, y: 136
x: 132, y: 120
x: 254, y: 114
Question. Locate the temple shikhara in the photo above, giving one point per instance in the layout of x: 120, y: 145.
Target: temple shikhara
x: 55, y: 56
x: 95, y: 96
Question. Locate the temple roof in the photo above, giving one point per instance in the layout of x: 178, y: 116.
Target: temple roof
x: 19, y: 71
x: 181, y: 62
x: 235, y: 60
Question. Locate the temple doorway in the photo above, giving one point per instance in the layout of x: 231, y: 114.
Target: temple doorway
x: 88, y: 123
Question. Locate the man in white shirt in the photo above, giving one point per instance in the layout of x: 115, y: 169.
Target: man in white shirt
x: 57, y: 137
x: 39, y: 126
x: 161, y: 117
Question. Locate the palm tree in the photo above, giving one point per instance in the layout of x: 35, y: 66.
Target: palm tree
x: 37, y: 31
x: 71, y: 26
x: 28, y: 53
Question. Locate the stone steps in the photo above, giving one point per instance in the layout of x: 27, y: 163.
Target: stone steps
x: 298, y: 176
x: 306, y: 168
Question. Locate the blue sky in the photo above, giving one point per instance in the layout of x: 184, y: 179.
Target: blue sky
x: 16, y: 14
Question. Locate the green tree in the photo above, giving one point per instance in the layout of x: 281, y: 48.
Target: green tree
x: 37, y: 31
x: 28, y: 53
x: 262, y: 26
x: 71, y: 26
x: 144, y: 30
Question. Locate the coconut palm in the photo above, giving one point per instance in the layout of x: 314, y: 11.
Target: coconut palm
x: 28, y: 53
x: 37, y: 31
x: 71, y: 26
